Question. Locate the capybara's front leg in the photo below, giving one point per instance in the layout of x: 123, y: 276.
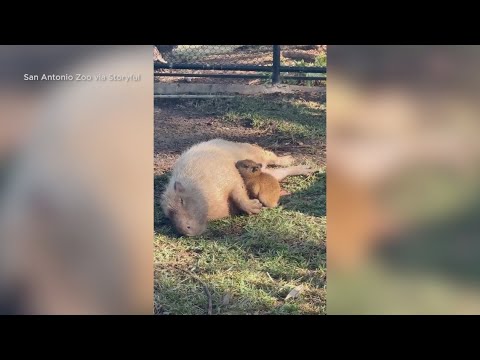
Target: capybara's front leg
x: 240, y: 197
x: 267, y: 201
x: 282, y: 173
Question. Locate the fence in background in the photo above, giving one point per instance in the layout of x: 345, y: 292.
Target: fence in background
x: 294, y: 64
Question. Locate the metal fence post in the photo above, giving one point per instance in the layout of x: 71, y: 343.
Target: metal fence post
x: 276, y: 65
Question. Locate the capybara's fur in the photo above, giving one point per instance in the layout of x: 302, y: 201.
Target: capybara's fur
x: 205, y: 184
x: 260, y: 185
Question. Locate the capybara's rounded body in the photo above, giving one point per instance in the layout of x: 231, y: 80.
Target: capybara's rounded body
x: 206, y: 185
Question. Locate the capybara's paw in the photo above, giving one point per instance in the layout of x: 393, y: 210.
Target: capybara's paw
x: 254, y: 206
x: 285, y: 160
x: 284, y: 192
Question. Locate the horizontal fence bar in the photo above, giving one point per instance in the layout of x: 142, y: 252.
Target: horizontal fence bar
x: 240, y: 76
x: 183, y: 96
x: 233, y: 76
x: 303, y: 78
x: 212, y: 67
x: 304, y: 69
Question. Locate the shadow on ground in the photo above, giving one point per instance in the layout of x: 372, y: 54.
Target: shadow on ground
x: 311, y: 201
x: 280, y: 117
x: 254, y: 263
x: 255, y: 260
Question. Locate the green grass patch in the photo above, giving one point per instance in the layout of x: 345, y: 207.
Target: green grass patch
x: 249, y: 263
x: 291, y: 117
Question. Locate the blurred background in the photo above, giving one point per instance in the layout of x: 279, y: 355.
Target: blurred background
x: 404, y: 180
x: 76, y: 214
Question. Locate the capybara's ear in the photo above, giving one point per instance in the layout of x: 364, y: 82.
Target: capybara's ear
x: 178, y: 187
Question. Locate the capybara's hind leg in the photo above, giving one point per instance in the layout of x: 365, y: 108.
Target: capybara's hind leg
x: 240, y: 197
x: 282, y: 173
x: 272, y: 159
x: 266, y: 157
x: 283, y: 161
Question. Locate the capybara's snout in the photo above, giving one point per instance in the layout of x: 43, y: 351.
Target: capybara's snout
x: 189, y: 227
x: 189, y: 231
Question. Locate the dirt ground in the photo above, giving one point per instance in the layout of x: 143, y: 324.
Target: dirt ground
x: 179, y: 125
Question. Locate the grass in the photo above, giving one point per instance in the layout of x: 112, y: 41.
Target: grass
x: 288, y: 116
x: 251, y: 263
x: 320, y: 61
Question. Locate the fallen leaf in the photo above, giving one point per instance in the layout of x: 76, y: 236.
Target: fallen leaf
x: 294, y: 292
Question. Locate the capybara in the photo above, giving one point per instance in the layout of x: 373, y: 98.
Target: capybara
x: 205, y: 184
x: 260, y: 185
